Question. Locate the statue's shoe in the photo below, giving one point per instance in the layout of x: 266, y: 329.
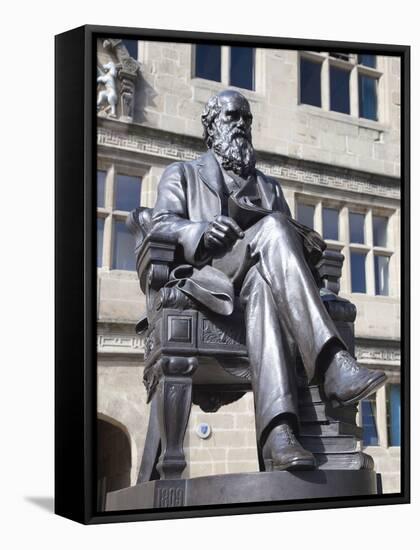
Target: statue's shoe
x: 346, y: 382
x: 282, y: 451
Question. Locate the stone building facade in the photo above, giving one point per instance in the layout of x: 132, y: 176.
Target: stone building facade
x: 327, y: 126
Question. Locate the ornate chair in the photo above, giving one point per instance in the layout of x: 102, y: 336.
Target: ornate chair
x: 195, y: 356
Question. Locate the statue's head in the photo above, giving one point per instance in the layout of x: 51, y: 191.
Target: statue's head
x: 227, y: 122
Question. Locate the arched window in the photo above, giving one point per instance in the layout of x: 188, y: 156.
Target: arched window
x: 114, y: 459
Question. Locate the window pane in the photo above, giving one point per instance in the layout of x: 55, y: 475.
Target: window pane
x: 305, y: 214
x: 368, y: 104
x: 357, y: 227
x: 370, y: 431
x: 208, y: 62
x: 394, y: 414
x: 99, y: 240
x: 127, y: 192
x: 310, y: 82
x: 381, y: 275
x: 123, y: 249
x: 367, y: 60
x: 380, y: 226
x: 330, y: 223
x: 358, y: 272
x: 339, y: 90
x: 100, y: 187
x: 132, y: 47
x: 242, y: 67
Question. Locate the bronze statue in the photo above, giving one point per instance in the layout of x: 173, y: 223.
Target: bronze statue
x: 234, y: 227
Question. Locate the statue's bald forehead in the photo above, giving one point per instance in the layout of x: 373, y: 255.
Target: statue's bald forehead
x: 233, y: 99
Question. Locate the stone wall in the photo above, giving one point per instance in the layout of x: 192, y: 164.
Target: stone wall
x: 231, y: 446
x: 170, y: 98
x: 388, y: 463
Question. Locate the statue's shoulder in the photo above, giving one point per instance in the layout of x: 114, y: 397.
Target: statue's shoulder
x: 275, y: 188
x: 181, y: 171
x: 186, y: 165
x: 269, y: 180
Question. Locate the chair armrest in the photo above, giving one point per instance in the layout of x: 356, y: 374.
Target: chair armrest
x: 154, y: 250
x: 329, y: 269
x: 154, y: 257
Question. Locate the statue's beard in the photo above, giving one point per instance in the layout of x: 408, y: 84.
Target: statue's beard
x: 235, y: 152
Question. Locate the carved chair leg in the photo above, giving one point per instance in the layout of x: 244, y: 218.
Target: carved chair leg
x: 174, y: 405
x: 152, y: 447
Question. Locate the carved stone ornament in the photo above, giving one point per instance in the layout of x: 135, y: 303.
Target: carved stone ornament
x: 117, y: 82
x: 107, y: 95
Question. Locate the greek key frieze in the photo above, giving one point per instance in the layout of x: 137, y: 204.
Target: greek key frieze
x: 292, y: 171
x: 117, y: 343
x: 376, y: 354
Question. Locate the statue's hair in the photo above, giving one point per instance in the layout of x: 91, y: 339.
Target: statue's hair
x: 211, y: 111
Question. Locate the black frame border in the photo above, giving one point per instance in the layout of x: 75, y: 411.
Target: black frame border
x: 75, y: 273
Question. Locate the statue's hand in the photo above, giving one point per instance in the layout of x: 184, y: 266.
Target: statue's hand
x: 221, y: 234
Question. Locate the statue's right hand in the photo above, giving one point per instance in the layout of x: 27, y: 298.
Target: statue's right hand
x: 221, y: 234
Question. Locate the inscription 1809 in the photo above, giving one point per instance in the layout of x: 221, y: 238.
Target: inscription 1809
x: 168, y: 497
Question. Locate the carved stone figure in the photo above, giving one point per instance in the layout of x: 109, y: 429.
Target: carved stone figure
x: 109, y: 94
x: 128, y: 69
x: 233, y: 227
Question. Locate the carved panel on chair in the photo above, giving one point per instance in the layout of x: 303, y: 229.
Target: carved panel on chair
x: 179, y: 329
x: 222, y: 332
x: 150, y: 342
x: 212, y: 334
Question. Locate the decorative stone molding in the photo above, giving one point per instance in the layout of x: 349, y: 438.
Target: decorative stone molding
x: 107, y: 95
x: 171, y: 147
x: 122, y: 88
x: 376, y: 353
x: 157, y: 147
x: 120, y: 343
x: 346, y: 181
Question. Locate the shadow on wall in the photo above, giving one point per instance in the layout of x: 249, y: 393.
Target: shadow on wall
x: 144, y: 97
x: 113, y: 459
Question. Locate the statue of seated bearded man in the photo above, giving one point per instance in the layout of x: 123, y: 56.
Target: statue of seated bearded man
x: 261, y: 254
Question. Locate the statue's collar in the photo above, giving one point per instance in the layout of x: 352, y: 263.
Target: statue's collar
x: 211, y: 173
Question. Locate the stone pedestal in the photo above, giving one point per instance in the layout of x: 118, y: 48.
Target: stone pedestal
x: 244, y: 488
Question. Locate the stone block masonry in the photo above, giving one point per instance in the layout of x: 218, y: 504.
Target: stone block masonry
x: 231, y: 447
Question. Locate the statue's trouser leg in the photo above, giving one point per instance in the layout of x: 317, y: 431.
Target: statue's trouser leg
x: 270, y: 352
x: 276, y: 250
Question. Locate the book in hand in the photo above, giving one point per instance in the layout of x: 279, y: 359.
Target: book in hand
x: 245, y: 212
